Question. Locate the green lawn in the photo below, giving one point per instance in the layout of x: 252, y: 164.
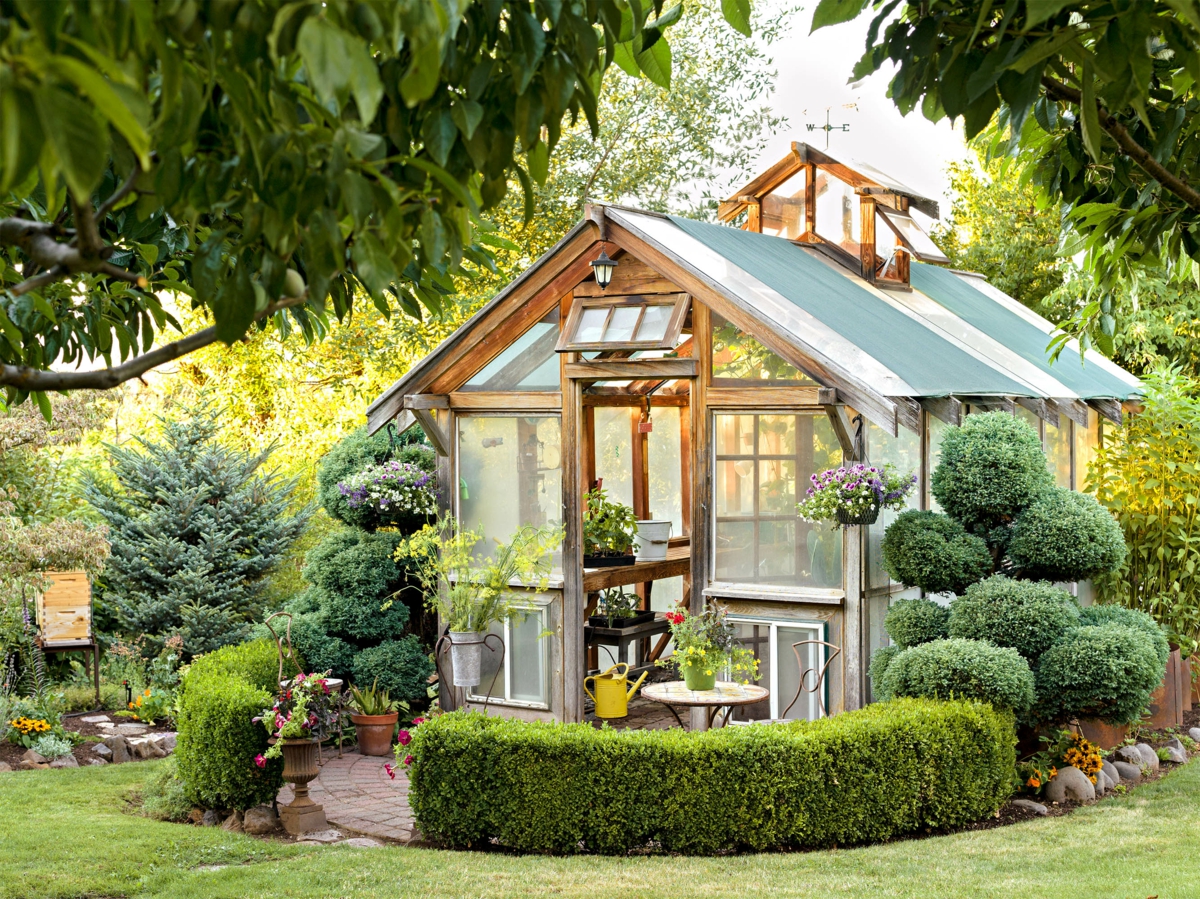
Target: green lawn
x: 67, y: 834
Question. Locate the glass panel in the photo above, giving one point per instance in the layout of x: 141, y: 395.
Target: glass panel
x: 789, y: 669
x: 591, y: 324
x: 935, y: 432
x: 739, y: 357
x: 1087, y: 440
x: 666, y: 471
x: 654, y: 323
x: 1029, y: 417
x: 783, y: 208
x: 903, y: 451
x: 530, y: 658
x: 622, y: 324
x: 756, y: 636
x: 774, y: 546
x: 509, y: 474
x: 1058, y: 451
x: 529, y: 364
x: 914, y: 236
x: 839, y: 212
x: 614, y: 451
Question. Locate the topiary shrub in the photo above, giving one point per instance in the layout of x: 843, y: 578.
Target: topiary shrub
x: 310, y: 637
x: 350, y: 455
x: 911, y: 622
x: 880, y: 659
x: 1028, y: 616
x: 962, y: 669
x: 874, y: 774
x: 1066, y: 536
x: 1096, y: 615
x: 357, y: 576
x: 1106, y: 671
x: 992, y: 468
x: 934, y: 552
x: 218, y: 741
x: 402, y: 667
x: 256, y: 663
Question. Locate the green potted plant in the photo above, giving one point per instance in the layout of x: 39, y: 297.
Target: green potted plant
x: 618, y: 609
x: 374, y: 715
x: 705, y: 646
x: 472, y: 593
x: 608, y: 531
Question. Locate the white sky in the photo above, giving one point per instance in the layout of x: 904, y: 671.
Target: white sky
x: 813, y: 74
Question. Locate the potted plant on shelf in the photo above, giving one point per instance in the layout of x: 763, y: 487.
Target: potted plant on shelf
x: 619, y: 609
x: 470, y: 592
x: 374, y: 715
x: 705, y: 646
x: 608, y: 531
x: 855, y: 495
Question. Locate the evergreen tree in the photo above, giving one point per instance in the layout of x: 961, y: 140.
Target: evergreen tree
x: 195, y: 529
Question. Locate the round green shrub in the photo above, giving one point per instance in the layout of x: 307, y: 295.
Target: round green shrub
x: 1106, y: 671
x: 402, y: 667
x: 1066, y: 536
x: 1095, y: 615
x: 357, y: 575
x: 992, y: 468
x: 310, y: 637
x: 256, y: 663
x: 1028, y: 616
x: 880, y: 659
x: 350, y: 456
x: 911, y: 622
x: 934, y: 552
x: 962, y: 669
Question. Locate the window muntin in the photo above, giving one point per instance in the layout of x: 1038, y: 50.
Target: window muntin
x: 737, y: 357
x: 762, y: 461
x: 529, y: 364
x: 523, y: 675
x: 635, y: 322
x: 782, y: 210
x: 771, y: 642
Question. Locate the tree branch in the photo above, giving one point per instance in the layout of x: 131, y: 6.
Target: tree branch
x: 1128, y: 145
x: 29, y: 379
x: 119, y: 194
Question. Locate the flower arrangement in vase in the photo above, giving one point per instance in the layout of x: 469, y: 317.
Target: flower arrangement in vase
x: 855, y: 495
x: 706, y: 645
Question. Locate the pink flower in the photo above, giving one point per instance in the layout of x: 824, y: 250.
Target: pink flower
x: 408, y: 760
x: 418, y: 721
x: 260, y: 760
x: 404, y: 738
x: 390, y: 769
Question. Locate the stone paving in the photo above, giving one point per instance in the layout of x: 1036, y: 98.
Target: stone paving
x: 358, y: 795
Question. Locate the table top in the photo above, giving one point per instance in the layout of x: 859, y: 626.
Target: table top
x: 677, y: 562
x: 724, y: 693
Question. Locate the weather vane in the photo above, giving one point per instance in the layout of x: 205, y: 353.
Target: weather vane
x: 827, y: 127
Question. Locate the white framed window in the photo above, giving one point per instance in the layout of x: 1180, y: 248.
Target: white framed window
x: 522, y: 677
x: 771, y: 641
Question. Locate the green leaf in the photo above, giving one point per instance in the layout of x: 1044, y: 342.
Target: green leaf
x: 737, y: 14
x: 111, y: 106
x: 623, y: 56
x: 1038, y: 11
x: 372, y: 265
x: 1089, y: 115
x: 79, y: 141
x: 828, y: 12
x: 339, y: 63
x: 467, y: 115
x: 538, y: 160
x: 656, y: 63
x: 43, y: 403
x: 672, y: 15
x: 439, y: 133
x: 148, y: 252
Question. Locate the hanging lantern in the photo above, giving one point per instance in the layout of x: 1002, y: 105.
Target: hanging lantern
x: 603, y: 267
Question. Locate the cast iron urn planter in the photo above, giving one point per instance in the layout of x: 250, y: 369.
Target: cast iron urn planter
x: 302, y: 815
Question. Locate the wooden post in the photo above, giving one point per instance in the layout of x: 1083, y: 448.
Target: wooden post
x: 448, y: 695
x: 852, y: 628
x: 574, y: 599
x: 810, y: 200
x: 702, y: 465
x: 866, y: 246
x: 754, y: 217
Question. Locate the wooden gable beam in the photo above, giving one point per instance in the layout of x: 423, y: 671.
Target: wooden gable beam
x: 908, y: 413
x: 429, y: 424
x: 1041, y: 408
x: 1110, y: 409
x: 1076, y: 410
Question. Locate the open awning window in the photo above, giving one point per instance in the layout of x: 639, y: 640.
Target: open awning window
x: 910, y: 235
x: 612, y: 323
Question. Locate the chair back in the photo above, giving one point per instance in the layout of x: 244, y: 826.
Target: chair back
x: 812, y: 677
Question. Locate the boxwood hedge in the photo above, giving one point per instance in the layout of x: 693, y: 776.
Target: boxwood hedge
x: 886, y: 770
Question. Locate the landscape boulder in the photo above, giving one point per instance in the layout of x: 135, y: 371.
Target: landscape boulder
x: 120, y: 749
x: 1149, y: 756
x: 233, y: 823
x: 34, y: 758
x: 1070, y: 783
x: 1129, y: 773
x: 259, y: 820
x: 67, y: 761
x: 1029, y: 805
x: 1130, y: 755
x: 211, y: 818
x: 1174, y: 755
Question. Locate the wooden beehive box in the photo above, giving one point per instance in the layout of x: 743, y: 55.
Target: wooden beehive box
x: 64, y: 612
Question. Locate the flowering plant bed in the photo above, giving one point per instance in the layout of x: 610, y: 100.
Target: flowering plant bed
x: 855, y: 495
x: 394, y: 489
x: 706, y: 646
x: 306, y: 710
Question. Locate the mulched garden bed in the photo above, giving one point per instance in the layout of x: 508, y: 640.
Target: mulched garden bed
x: 11, y: 753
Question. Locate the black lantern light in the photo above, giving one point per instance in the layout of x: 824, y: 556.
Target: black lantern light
x: 603, y: 267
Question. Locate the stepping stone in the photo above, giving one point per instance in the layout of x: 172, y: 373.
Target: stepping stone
x: 132, y: 730
x: 322, y: 836
x: 362, y: 843
x: 96, y: 719
x: 1028, y: 804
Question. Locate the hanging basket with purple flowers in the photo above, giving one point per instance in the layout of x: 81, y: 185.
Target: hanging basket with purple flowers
x: 397, y: 492
x: 855, y: 494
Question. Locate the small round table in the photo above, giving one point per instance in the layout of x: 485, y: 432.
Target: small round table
x: 725, y: 695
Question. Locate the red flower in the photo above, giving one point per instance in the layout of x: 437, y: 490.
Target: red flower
x: 408, y: 760
x: 674, y: 617
x: 260, y: 760
x: 390, y: 769
x: 417, y: 721
x: 404, y: 737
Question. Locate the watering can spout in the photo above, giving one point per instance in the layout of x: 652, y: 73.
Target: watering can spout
x: 637, y: 683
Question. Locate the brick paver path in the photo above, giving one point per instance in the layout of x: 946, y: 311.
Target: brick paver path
x: 358, y: 795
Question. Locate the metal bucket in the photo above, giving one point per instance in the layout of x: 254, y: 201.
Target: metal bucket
x: 652, y: 537
x: 466, y: 654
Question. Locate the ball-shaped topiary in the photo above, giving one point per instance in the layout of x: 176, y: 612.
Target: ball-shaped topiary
x: 1096, y: 615
x: 934, y: 552
x: 1106, y: 671
x: 357, y: 564
x: 310, y: 636
x: 402, y: 668
x: 992, y: 468
x: 962, y: 669
x: 1029, y: 616
x: 1066, y: 536
x: 911, y: 622
x: 880, y: 659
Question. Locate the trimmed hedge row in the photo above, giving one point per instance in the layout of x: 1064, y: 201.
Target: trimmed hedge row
x: 860, y: 777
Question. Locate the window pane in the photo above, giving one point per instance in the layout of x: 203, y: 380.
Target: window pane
x: 509, y: 474
x: 735, y: 551
x: 920, y: 242
x: 591, y: 324
x: 491, y: 666
x: 614, y: 452
x: 529, y: 364
x: 935, y: 433
x: 739, y: 357
x: 530, y: 658
x: 903, y: 451
x: 1058, y: 451
x: 735, y: 435
x: 1087, y: 440
x: 735, y: 487
x: 777, y: 435
x: 776, y: 552
x: 756, y: 636
x: 783, y: 208
x: 776, y: 486
x: 838, y: 212
x: 621, y: 325
x: 666, y: 472
x: 654, y: 323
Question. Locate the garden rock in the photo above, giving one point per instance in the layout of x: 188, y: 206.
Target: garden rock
x: 67, y: 761
x: 1194, y: 733
x: 1129, y: 754
x: 1149, y: 756
x: 259, y: 820
x: 233, y: 823
x: 5, y: 766
x: 34, y: 758
x: 103, y: 751
x: 323, y: 836
x: 1175, y: 756
x: 1070, y: 783
x: 1036, y: 807
x: 132, y: 730
x: 1129, y: 773
x: 120, y: 749
x: 146, y: 748
x: 1110, y: 769
x: 97, y: 762
x: 211, y: 818
x: 1103, y: 784
x: 167, y: 741
x: 362, y: 843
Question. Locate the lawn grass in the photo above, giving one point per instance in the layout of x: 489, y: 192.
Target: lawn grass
x: 67, y: 834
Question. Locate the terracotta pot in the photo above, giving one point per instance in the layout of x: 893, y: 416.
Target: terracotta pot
x: 1166, y: 705
x: 375, y: 732
x: 1106, y: 736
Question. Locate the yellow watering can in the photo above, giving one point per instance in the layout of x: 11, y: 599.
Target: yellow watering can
x: 611, y: 698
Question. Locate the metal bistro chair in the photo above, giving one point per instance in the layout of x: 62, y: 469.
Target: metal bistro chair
x: 817, y: 681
